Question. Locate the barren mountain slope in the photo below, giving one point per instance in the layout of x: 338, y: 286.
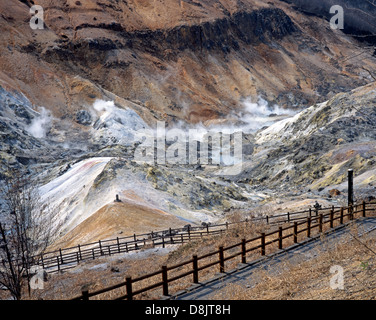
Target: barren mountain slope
x: 191, y: 60
x: 71, y: 94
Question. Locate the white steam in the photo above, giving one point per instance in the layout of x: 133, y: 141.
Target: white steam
x: 253, y: 117
x: 40, y: 124
x: 263, y: 109
x: 116, y: 125
x: 256, y: 115
x: 101, y: 105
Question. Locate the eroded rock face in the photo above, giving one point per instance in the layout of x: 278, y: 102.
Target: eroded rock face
x: 222, y: 34
x: 316, y: 147
x: 175, y: 60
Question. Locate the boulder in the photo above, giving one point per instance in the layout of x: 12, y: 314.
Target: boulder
x: 83, y: 117
x: 334, y: 192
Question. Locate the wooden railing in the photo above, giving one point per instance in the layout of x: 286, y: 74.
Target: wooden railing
x: 263, y: 243
x: 66, y: 258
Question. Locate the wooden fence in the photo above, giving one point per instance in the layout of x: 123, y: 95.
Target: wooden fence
x: 296, y: 231
x: 66, y: 258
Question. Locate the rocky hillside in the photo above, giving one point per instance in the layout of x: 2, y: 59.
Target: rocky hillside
x: 190, y: 60
x: 74, y: 95
x: 315, y: 148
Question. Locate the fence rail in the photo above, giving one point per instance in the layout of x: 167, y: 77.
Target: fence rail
x: 297, y: 230
x: 66, y: 258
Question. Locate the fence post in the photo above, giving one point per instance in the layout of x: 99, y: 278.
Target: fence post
x: 41, y: 258
x: 295, y: 232
x: 310, y: 212
x: 320, y: 222
x: 288, y: 217
x: 163, y: 243
x: 189, y: 232
x: 164, y: 280
x: 85, y: 295
x: 100, y: 247
x: 350, y: 174
x: 93, y: 253
x: 195, y: 269
x: 351, y: 212
x: 118, y: 244
x: 280, y: 238
x: 308, y: 227
x: 364, y: 209
x: 58, y: 263
x: 341, y: 216
x: 221, y: 260
x: 267, y: 219
x: 331, y: 218
x: 262, y: 244
x: 244, y: 259
x: 61, y: 256
x: 79, y: 251
x: 128, y: 285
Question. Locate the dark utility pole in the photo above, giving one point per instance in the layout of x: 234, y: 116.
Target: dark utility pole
x: 350, y: 187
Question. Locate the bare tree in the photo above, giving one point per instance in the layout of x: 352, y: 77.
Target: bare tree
x: 25, y: 234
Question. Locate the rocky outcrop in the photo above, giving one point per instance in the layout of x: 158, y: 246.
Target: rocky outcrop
x: 83, y: 117
x: 315, y: 148
x: 221, y: 34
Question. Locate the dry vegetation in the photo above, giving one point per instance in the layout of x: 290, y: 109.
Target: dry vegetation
x: 308, y: 280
